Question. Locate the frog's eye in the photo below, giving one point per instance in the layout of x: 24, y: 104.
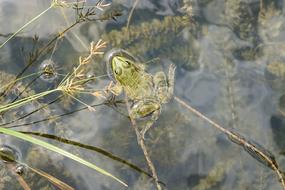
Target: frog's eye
x: 127, y: 63
x: 118, y: 71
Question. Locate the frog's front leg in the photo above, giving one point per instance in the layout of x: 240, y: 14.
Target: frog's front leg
x: 144, y: 108
x: 115, y: 89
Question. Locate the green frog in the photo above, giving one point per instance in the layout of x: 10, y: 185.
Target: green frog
x: 147, y: 92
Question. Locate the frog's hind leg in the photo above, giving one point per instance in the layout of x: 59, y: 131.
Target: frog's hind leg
x: 149, y: 124
x: 161, y: 87
x: 164, y: 86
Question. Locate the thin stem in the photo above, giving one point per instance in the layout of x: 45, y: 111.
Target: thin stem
x: 89, y: 107
x: 26, y: 87
x: 55, y: 117
x: 28, y: 23
x: 131, y: 14
x: 19, y: 178
x: 26, y: 100
x: 58, y: 183
x: 32, y: 112
x: 18, y: 79
x: 144, y: 149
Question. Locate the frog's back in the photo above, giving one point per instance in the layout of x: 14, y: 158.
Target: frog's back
x: 139, y: 86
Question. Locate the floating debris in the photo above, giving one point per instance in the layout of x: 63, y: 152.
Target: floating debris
x: 48, y: 70
x: 20, y: 169
x: 254, y: 149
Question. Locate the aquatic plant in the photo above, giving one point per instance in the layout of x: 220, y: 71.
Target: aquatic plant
x: 156, y: 35
x: 71, y: 85
x: 239, y: 13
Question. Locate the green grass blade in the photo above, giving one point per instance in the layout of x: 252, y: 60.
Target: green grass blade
x: 58, y: 150
x: 26, y: 100
x: 18, y: 79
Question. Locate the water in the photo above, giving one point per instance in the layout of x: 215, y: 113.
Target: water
x: 222, y: 56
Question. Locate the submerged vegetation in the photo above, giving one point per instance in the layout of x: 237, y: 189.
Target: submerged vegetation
x: 224, y: 59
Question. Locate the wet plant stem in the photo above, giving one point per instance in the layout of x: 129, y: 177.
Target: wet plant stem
x: 144, y: 148
x: 20, y: 179
x: 238, y: 139
x: 58, y: 183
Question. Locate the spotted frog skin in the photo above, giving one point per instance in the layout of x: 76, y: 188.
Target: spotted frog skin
x: 147, y: 92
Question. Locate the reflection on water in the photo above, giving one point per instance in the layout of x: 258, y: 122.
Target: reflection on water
x: 230, y: 60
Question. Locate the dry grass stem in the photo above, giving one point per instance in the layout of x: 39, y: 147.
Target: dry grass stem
x: 74, y: 82
x: 58, y: 183
x: 144, y: 148
x: 100, y: 5
x: 253, y: 149
x: 62, y: 3
x: 71, y: 85
x: 11, y: 167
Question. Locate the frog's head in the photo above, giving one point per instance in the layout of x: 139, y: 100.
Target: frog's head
x: 121, y: 66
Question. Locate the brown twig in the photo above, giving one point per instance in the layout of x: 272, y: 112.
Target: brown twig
x: 58, y: 183
x: 253, y: 149
x: 144, y: 148
x: 19, y: 178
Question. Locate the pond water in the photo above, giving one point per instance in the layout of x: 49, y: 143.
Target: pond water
x: 230, y: 67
